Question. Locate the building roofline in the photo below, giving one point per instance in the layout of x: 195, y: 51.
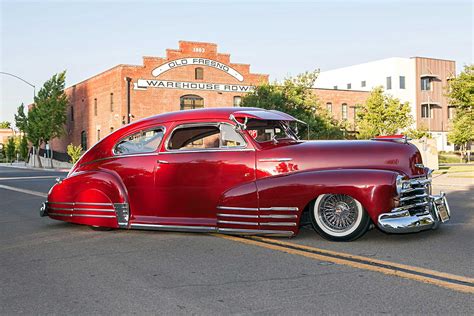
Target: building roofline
x: 433, y: 58
x: 329, y: 89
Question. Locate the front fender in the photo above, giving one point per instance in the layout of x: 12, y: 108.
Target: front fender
x: 374, y: 189
x: 91, y: 197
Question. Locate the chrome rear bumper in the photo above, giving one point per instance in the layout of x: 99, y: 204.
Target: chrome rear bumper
x: 408, y: 220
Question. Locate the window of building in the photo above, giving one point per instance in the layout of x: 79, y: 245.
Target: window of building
x: 344, y: 111
x: 111, y: 102
x: 402, y: 82
x: 426, y: 84
x: 389, y: 83
x: 111, y: 129
x: 451, y: 110
x: 237, y: 100
x: 335, y: 87
x: 98, y: 134
x: 72, y: 113
x: 363, y: 83
x: 205, y: 136
x: 199, y: 73
x: 329, y: 107
x: 141, y: 142
x: 95, y: 106
x: 191, y: 101
x: 349, y: 86
x: 84, y: 140
x: 425, y: 111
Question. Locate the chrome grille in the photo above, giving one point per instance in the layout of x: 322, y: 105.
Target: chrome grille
x: 415, y: 195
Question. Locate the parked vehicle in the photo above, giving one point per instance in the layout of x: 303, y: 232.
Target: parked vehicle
x: 244, y: 171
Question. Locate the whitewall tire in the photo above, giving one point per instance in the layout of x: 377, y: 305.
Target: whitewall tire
x: 339, y: 217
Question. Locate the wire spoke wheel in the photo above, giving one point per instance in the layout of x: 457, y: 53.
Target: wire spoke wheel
x: 338, y: 212
x: 339, y: 217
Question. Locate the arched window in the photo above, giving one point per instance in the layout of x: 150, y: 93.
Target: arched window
x: 98, y: 134
x: 111, y: 129
x: 191, y: 101
x: 84, y: 140
x: 237, y: 100
x: 329, y: 107
x: 198, y: 73
x: 344, y: 111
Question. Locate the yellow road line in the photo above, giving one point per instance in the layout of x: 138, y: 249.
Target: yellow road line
x: 347, y: 259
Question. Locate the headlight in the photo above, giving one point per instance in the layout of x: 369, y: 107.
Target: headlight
x: 399, y: 184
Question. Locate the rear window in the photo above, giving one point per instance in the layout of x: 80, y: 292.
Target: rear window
x: 141, y: 142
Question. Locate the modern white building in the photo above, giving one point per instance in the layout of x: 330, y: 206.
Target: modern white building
x: 417, y: 80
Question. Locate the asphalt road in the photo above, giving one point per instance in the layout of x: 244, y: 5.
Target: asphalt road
x: 48, y: 266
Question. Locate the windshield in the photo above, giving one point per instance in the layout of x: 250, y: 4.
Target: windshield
x: 264, y: 131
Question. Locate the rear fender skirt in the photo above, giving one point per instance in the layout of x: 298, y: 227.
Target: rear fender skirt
x: 91, y: 198
x: 372, y: 188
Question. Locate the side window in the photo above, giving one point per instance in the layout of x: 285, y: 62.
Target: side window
x: 212, y: 136
x: 230, y: 138
x: 141, y: 142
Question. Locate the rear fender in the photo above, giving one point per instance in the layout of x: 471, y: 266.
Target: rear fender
x: 96, y: 198
x: 374, y: 189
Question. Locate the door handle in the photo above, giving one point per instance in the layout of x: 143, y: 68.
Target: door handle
x: 162, y: 161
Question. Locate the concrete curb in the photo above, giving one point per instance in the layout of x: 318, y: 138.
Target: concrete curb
x: 32, y: 168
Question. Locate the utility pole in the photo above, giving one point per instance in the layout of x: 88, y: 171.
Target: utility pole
x: 34, y: 96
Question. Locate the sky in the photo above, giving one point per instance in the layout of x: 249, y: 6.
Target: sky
x: 280, y: 38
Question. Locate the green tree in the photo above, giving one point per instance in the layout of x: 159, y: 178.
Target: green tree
x: 23, y: 148
x: 382, y: 114
x: 461, y: 95
x: 10, y: 149
x: 75, y: 152
x: 5, y: 124
x: 46, y: 118
x: 418, y: 133
x: 295, y: 96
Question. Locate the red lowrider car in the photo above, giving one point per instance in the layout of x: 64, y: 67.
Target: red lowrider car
x: 244, y: 171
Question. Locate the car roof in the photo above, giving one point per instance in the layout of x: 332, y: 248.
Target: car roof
x: 197, y: 114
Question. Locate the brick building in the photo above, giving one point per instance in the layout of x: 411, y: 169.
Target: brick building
x: 192, y: 76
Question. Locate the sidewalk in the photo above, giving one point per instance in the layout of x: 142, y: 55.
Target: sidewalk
x: 464, y: 180
x: 22, y: 165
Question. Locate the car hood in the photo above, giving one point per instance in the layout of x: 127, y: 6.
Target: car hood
x: 366, y: 154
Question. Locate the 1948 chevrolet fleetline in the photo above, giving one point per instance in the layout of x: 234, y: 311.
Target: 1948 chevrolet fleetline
x: 244, y: 171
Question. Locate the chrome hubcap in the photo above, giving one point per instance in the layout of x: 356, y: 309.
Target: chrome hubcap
x: 338, y: 212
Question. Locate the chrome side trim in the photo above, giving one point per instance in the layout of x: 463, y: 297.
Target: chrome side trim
x: 274, y: 159
x: 237, y: 223
x: 204, y: 229
x: 61, y: 209
x: 123, y: 214
x: 232, y: 208
x: 278, y: 216
x: 236, y: 231
x: 80, y: 203
x: 93, y: 209
x: 278, y: 208
x: 278, y: 224
x: 237, y: 215
x: 81, y: 215
x: 204, y: 151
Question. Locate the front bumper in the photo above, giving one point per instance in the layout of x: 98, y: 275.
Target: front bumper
x: 419, y: 210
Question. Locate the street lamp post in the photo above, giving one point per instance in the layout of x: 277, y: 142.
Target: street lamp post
x: 34, y: 96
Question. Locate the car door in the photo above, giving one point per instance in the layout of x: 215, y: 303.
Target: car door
x: 197, y: 164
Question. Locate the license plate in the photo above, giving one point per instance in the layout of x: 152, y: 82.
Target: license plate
x: 441, y: 207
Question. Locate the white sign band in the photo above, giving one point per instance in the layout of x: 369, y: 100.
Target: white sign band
x: 197, y: 61
x: 142, y: 84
